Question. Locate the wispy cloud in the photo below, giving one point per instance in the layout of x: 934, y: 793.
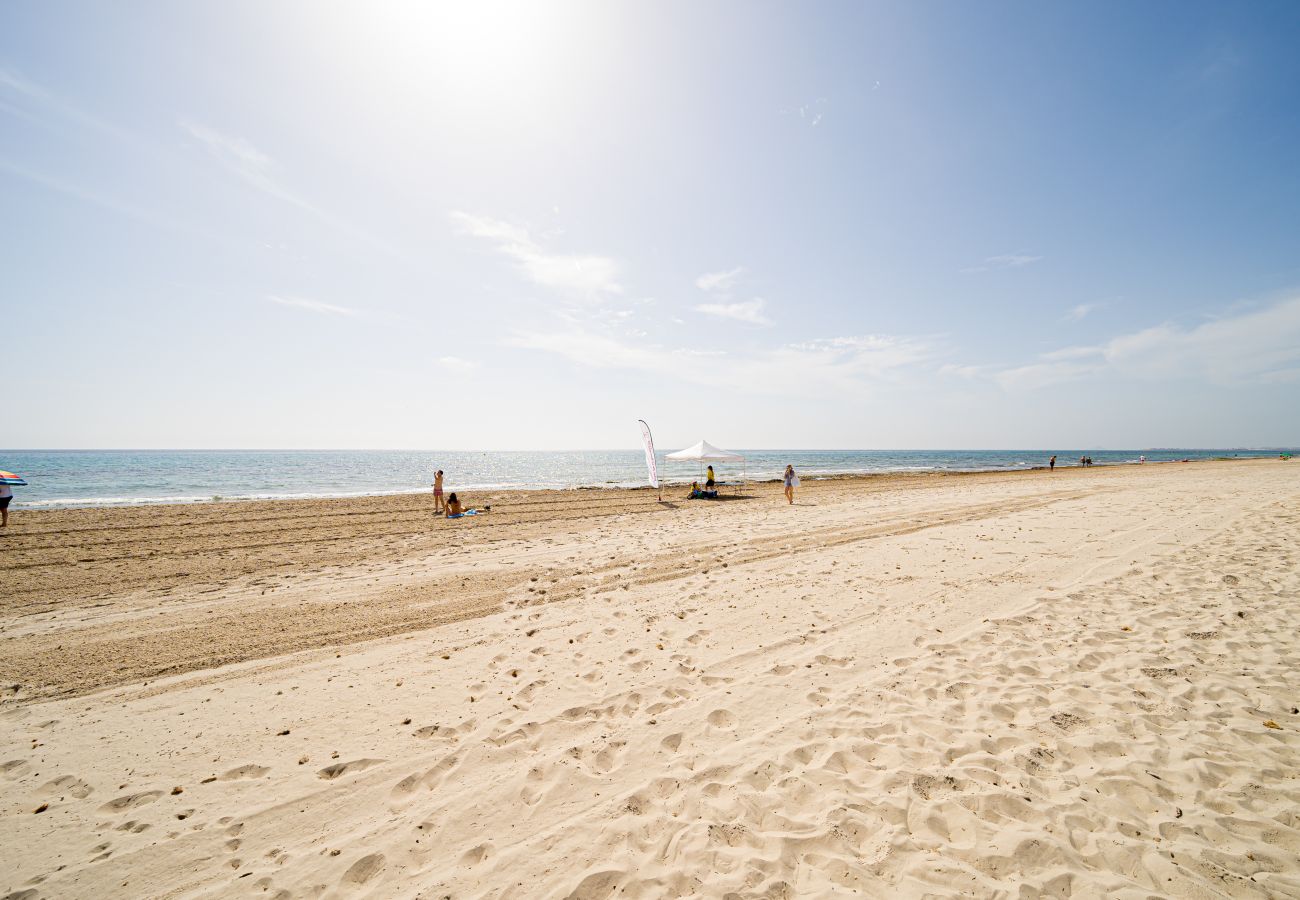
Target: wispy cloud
x: 842, y: 363
x: 239, y: 156
x: 750, y: 311
x: 811, y: 112
x: 12, y: 81
x: 719, y: 282
x: 585, y: 276
x: 1255, y: 347
x: 84, y: 194
x: 1006, y: 261
x: 721, y: 285
x: 1077, y: 313
x: 40, y: 103
x: 316, y: 306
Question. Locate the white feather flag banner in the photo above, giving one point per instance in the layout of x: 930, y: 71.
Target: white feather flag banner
x: 650, y: 465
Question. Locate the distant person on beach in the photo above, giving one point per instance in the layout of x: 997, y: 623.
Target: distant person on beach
x: 1142, y: 459
x: 1051, y: 464
x: 708, y: 479
x: 6, y: 495
x: 438, y: 505
x: 789, y: 481
x: 455, y: 509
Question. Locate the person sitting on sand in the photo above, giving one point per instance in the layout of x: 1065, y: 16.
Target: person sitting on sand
x: 698, y: 493
x: 456, y: 509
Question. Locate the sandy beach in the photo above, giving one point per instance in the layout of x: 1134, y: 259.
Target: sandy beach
x: 1080, y: 683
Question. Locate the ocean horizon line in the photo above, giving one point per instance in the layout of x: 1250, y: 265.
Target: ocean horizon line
x: 637, y: 448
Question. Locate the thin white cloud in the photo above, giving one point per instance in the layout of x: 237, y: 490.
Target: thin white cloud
x: 44, y: 104
x: 1255, y: 347
x: 85, y: 195
x: 951, y: 370
x: 13, y: 81
x: 1005, y: 261
x: 811, y: 112
x: 719, y: 282
x: 843, y: 363
x: 585, y: 276
x: 316, y: 306
x: 239, y: 156
x: 1078, y: 313
x: 750, y: 311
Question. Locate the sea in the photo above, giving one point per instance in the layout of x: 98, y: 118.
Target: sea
x: 84, y: 478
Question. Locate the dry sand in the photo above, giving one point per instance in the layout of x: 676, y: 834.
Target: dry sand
x: 1081, y: 684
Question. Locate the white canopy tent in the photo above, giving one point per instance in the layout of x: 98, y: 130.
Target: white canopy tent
x: 705, y: 452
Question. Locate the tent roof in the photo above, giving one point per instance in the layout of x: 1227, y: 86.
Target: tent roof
x: 705, y: 450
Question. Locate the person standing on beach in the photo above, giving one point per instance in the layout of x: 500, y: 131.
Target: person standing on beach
x: 438, y: 505
x: 6, y: 495
x: 708, y: 479
x: 1051, y: 464
x: 789, y: 481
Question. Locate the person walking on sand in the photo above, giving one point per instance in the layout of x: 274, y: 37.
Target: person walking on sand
x: 1051, y: 464
x: 6, y: 495
x: 789, y: 481
x: 438, y: 505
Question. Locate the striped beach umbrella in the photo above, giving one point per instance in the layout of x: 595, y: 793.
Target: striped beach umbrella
x: 10, y: 478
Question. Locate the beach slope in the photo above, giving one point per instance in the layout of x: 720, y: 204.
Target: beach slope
x: 1081, y: 683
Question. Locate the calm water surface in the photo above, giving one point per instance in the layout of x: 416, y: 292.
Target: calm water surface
x: 69, y: 478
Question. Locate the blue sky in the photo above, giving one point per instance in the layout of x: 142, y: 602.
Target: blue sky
x: 497, y: 226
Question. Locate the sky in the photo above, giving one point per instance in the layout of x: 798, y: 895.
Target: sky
x: 772, y: 225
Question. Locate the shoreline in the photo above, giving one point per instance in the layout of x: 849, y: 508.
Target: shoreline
x: 56, y: 506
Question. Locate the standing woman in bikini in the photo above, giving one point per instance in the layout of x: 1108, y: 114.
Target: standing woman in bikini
x: 438, y: 505
x: 789, y: 481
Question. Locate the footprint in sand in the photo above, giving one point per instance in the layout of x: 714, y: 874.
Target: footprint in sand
x: 429, y: 779
x: 15, y: 768
x: 130, y: 801
x: 476, y: 855
x: 249, y: 770
x: 928, y: 787
x: 364, y: 869
x: 722, y: 718
x: 338, y: 770
x: 442, y: 732
x: 69, y: 785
